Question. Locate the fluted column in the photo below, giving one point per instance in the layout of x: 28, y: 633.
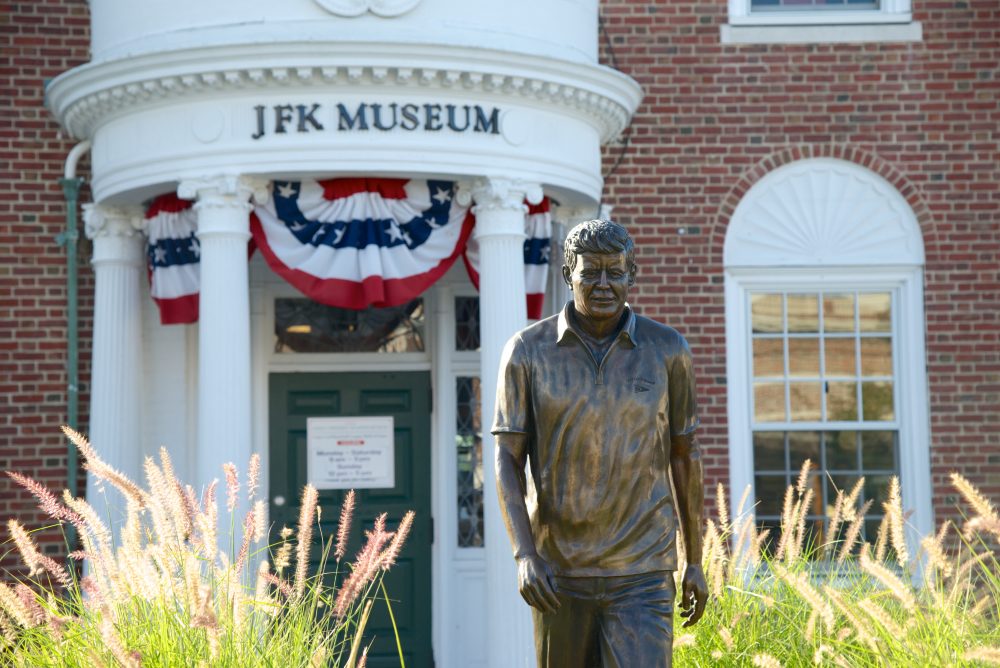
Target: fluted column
x: 223, y: 208
x: 500, y: 210
x: 116, y: 372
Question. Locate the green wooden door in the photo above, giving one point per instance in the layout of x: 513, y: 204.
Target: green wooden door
x: 294, y: 397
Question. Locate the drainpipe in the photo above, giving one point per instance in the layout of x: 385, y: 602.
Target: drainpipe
x: 71, y: 190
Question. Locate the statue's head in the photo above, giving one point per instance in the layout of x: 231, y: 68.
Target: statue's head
x: 599, y: 257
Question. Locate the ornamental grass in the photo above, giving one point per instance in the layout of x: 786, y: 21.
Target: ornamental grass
x: 822, y: 596
x: 158, y: 591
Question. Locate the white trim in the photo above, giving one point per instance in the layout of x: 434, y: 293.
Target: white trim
x: 892, y: 22
x: 871, y: 31
x: 823, y: 212
x: 911, y: 378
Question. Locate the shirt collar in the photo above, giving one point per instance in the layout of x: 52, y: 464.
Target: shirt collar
x: 565, y: 325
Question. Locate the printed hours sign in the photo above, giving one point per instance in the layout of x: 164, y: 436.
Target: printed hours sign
x: 350, y: 452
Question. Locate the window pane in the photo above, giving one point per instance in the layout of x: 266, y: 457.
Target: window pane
x: 811, y: 5
x: 838, y: 313
x: 766, y: 312
x: 770, y: 491
x: 769, y: 451
x: 841, y: 450
x: 878, y: 450
x: 877, y: 489
x: 803, y: 313
x: 839, y: 357
x: 803, y: 357
x: 469, y: 451
x: 876, y: 356
x: 842, y: 402
x: 304, y: 326
x: 466, y: 323
x: 876, y: 401
x: 769, y: 402
x: 802, y: 445
x: 875, y: 312
x: 806, y: 401
x: 768, y: 358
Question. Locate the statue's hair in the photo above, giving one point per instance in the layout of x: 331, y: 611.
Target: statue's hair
x: 598, y: 236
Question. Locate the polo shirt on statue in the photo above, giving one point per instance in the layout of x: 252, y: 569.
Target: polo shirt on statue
x: 599, y: 441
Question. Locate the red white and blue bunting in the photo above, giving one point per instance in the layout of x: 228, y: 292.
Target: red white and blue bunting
x: 351, y: 243
x: 173, y: 256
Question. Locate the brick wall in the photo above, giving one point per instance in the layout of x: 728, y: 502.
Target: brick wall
x: 38, y: 40
x: 718, y: 117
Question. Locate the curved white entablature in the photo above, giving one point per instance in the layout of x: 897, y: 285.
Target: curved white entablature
x: 297, y: 108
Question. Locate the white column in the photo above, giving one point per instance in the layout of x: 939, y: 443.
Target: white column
x: 116, y: 371
x: 223, y: 207
x: 500, y: 210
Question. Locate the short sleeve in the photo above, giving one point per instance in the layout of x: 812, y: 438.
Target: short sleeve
x: 683, y: 405
x: 513, y: 409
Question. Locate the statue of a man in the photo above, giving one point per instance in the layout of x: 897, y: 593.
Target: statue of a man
x: 601, y: 403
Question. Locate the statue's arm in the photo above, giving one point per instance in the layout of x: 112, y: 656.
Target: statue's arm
x: 535, y: 578
x: 689, y: 483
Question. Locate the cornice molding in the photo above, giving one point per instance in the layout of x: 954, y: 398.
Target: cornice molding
x: 85, y: 96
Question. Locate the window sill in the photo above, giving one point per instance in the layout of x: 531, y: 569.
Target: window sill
x: 753, y: 33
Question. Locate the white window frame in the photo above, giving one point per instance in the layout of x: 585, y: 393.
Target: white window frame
x: 891, y: 22
x: 912, y: 416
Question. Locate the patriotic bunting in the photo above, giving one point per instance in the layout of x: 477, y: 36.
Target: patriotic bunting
x: 173, y: 256
x: 355, y: 243
x: 351, y: 243
x: 538, y: 227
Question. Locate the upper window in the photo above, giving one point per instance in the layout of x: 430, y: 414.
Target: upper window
x: 820, y: 21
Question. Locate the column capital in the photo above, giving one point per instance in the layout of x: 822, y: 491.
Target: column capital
x: 571, y: 215
x: 225, y: 190
x: 499, y: 193
x: 108, y: 220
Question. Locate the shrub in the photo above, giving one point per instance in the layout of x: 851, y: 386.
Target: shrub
x: 828, y: 601
x: 164, y: 594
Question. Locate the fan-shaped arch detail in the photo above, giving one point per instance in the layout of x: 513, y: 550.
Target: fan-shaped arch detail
x: 823, y: 212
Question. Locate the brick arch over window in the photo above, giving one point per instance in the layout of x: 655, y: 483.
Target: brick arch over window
x: 906, y: 189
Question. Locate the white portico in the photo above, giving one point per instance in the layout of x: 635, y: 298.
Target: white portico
x: 215, y: 100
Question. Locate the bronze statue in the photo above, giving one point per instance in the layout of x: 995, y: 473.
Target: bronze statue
x: 601, y: 402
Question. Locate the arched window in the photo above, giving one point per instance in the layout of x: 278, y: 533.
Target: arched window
x: 825, y: 340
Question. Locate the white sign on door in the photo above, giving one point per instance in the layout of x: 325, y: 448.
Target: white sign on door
x: 350, y: 452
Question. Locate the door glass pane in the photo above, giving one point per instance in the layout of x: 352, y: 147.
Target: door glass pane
x: 803, y: 357
x: 876, y: 401
x: 768, y: 358
x: 875, y: 312
x: 466, y: 323
x: 769, y: 402
x: 469, y: 449
x: 840, y: 357
x: 766, y: 312
x: 876, y: 356
x: 304, y: 326
x: 806, y: 401
x: 838, y: 313
x: 803, y: 313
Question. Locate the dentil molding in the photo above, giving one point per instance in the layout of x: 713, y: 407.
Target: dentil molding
x: 86, y: 96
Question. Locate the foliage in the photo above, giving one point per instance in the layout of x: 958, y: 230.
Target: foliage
x: 828, y: 601
x: 162, y: 593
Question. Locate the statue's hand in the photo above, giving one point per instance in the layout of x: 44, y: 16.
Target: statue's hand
x: 537, y: 583
x: 694, y: 594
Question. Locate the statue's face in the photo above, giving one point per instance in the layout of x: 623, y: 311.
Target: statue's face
x: 600, y: 283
